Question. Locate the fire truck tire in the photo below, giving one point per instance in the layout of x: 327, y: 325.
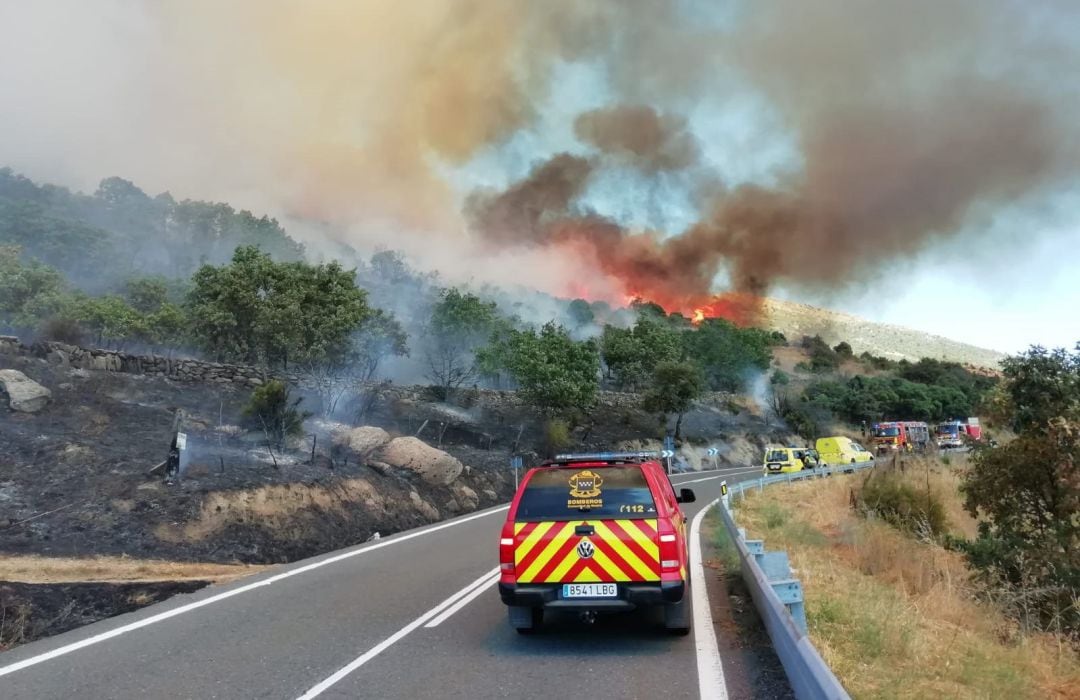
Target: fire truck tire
x: 526, y: 620
x: 677, y: 616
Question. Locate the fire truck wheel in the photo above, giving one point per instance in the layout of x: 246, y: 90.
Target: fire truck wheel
x: 526, y: 620
x: 677, y: 615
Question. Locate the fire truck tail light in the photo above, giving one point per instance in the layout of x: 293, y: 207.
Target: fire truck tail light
x: 667, y: 538
x: 669, y: 564
x: 507, y: 541
x: 507, y: 567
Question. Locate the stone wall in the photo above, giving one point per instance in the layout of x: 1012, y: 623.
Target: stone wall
x: 191, y: 370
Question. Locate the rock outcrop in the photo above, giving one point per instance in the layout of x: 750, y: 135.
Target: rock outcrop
x: 365, y: 441
x: 431, y: 464
x: 24, y: 394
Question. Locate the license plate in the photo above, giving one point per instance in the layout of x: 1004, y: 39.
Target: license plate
x: 590, y: 590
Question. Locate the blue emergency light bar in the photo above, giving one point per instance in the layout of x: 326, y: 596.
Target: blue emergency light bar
x: 600, y: 456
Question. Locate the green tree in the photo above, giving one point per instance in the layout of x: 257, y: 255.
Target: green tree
x: 675, y: 386
x: 1027, y: 492
x: 29, y: 291
x: 460, y: 324
x: 146, y: 294
x: 631, y: 354
x: 555, y: 373
x: 110, y: 320
x: 580, y: 313
x: 380, y: 337
x: 727, y: 353
x: 257, y: 311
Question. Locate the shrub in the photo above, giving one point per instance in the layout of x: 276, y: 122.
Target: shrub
x: 62, y: 329
x: 273, y: 410
x: 556, y: 435
x: 903, y: 506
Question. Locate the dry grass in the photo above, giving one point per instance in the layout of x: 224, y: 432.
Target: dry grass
x: 895, y: 617
x: 35, y: 569
x: 274, y: 507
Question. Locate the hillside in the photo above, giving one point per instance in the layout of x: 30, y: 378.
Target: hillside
x: 894, y: 342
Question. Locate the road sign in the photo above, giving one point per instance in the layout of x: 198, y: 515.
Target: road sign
x: 516, y: 463
x: 667, y: 454
x: 712, y: 451
x: 669, y: 443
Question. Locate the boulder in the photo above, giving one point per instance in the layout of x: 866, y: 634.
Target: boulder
x: 430, y: 464
x: 423, y: 507
x: 24, y: 394
x: 364, y: 441
x: 490, y: 495
x: 466, y: 497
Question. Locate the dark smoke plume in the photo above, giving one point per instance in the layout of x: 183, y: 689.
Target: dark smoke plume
x: 913, y: 120
x: 640, y: 136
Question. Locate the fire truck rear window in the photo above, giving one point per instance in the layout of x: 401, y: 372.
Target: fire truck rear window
x: 597, y: 492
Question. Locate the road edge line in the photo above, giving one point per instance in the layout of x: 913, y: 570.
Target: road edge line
x: 160, y: 617
x: 711, y: 684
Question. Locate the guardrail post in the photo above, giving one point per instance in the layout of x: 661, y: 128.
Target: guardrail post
x: 777, y: 570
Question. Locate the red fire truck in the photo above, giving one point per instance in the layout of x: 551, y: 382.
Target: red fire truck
x: 957, y: 433
x: 899, y: 435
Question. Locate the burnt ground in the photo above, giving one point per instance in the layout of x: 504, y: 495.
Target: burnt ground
x: 30, y: 611
x: 73, y: 477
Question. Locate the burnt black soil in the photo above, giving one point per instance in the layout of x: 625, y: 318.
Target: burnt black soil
x: 30, y: 611
x: 73, y: 477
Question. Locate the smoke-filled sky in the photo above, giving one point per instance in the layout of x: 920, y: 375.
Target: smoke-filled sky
x: 916, y: 163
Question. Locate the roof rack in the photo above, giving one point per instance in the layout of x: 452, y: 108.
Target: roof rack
x: 609, y: 457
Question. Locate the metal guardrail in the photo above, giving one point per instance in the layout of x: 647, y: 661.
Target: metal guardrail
x: 778, y: 596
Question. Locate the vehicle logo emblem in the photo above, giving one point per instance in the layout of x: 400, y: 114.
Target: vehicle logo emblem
x: 585, y: 484
x: 585, y: 549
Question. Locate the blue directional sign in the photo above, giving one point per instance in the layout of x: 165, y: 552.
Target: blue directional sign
x: 516, y: 462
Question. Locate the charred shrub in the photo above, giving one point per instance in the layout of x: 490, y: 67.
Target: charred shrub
x: 62, y: 329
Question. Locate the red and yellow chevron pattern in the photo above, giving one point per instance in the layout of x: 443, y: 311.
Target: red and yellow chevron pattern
x: 623, y: 550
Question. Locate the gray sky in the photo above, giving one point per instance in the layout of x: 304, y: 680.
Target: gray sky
x: 367, y: 117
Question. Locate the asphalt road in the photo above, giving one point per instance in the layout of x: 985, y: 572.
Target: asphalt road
x: 416, y: 615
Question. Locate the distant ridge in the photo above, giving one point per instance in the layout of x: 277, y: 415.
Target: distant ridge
x: 894, y: 342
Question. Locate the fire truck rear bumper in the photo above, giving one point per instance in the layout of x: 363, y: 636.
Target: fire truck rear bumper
x: 631, y: 595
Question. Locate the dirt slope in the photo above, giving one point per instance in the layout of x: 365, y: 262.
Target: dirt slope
x: 894, y: 342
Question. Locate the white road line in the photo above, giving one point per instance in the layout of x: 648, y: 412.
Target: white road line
x: 479, y: 584
x: 721, y: 476
x: 449, y: 612
x: 711, y: 683
x: 153, y: 619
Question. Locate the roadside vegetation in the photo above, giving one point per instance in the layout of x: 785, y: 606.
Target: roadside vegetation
x: 894, y: 612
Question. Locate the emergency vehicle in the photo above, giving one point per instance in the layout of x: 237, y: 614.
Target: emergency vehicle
x: 899, y: 435
x: 956, y: 433
x: 592, y: 534
x: 780, y: 459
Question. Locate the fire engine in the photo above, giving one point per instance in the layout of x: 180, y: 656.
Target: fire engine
x: 897, y: 435
x: 957, y: 433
